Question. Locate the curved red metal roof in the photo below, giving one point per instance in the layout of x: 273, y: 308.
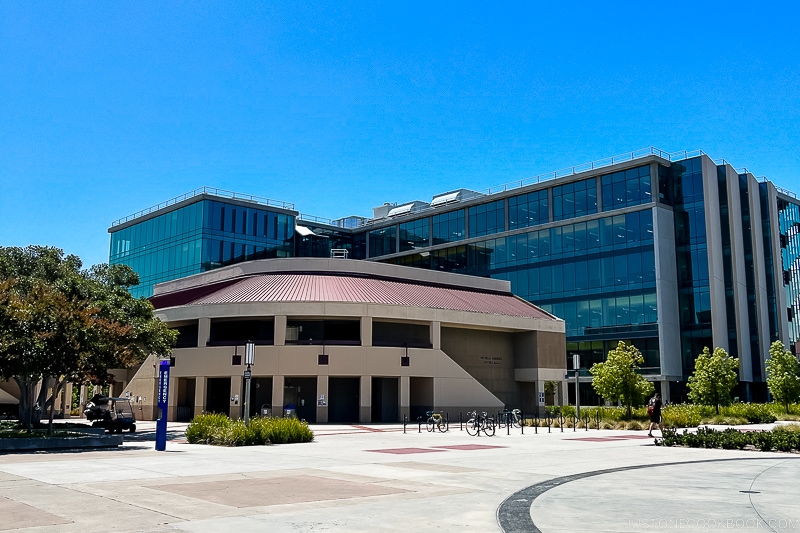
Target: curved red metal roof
x: 353, y: 289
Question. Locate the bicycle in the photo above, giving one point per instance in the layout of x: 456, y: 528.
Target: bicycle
x: 436, y: 421
x: 478, y: 423
x: 513, y: 417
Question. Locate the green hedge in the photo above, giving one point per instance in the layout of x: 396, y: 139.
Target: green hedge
x: 218, y: 429
x: 782, y: 439
x: 691, y: 415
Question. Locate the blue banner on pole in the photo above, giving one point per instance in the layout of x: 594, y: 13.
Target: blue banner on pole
x: 163, y: 401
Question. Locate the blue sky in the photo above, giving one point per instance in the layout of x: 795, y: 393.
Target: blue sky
x: 107, y: 108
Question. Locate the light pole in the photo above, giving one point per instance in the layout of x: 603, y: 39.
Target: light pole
x: 576, y: 364
x: 249, y: 359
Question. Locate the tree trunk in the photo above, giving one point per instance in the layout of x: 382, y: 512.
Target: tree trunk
x: 52, y: 404
x: 27, y: 388
x: 39, y: 408
x: 629, y: 412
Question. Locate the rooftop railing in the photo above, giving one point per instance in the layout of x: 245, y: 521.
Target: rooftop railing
x: 206, y: 190
x: 568, y: 171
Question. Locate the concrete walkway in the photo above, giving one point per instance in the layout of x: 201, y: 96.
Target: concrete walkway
x: 375, y: 478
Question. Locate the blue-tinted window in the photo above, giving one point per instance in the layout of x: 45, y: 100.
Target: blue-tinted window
x: 382, y: 241
x: 448, y: 227
x: 485, y: 219
x: 626, y: 188
x: 575, y: 199
x: 414, y: 234
x: 528, y: 210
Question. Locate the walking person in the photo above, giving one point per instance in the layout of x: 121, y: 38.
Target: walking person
x: 654, y: 411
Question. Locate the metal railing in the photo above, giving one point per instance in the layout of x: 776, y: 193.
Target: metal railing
x: 206, y: 190
x: 565, y: 172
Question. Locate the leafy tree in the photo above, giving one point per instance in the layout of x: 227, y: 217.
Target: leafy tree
x: 617, y: 380
x: 783, y: 380
x: 59, y: 324
x: 713, y: 378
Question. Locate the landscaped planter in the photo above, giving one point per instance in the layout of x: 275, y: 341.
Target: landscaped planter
x: 59, y: 443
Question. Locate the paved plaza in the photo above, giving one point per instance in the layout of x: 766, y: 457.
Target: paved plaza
x: 375, y: 478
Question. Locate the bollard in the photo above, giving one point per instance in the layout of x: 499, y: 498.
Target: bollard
x: 588, y: 419
x: 508, y: 427
x: 561, y: 420
x: 447, y: 421
x: 597, y: 419
x: 548, y: 422
x: 420, y: 424
x: 574, y: 423
x: 522, y: 420
x: 405, y: 421
x: 460, y: 421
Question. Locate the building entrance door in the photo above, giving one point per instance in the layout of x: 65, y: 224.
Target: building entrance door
x: 385, y: 399
x: 302, y: 393
x: 343, y: 399
x: 218, y: 396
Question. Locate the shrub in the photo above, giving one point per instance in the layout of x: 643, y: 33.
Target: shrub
x: 213, y: 428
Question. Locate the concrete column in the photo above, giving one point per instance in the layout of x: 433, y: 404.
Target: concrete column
x: 366, y: 331
x: 716, y: 277
x: 82, y: 399
x: 405, y: 396
x: 280, y: 331
x: 365, y: 399
x: 277, y: 396
x: 322, y: 390
x: 236, y: 390
x: 172, y: 405
x: 665, y: 392
x: 436, y: 335
x: 739, y: 275
x: 200, y: 394
x: 540, y: 406
x: 667, y: 305
x: 203, y: 331
x: 67, y: 399
x: 759, y: 269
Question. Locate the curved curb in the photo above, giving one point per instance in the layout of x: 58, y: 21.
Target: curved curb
x: 514, y: 514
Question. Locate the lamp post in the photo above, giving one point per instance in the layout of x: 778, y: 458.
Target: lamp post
x: 576, y: 364
x: 249, y: 359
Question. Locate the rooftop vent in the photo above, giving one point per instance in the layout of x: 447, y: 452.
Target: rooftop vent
x: 407, y: 208
x: 459, y: 195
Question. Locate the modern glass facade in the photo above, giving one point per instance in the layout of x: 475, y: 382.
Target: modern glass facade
x: 658, y: 253
x: 201, y: 236
x: 789, y: 221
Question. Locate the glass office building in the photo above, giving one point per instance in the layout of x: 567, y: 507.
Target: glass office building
x: 198, y: 232
x: 671, y: 252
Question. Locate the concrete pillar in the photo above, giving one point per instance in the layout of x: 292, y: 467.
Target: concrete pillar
x: 322, y: 392
x: 236, y: 391
x: 365, y: 399
x: 280, y: 331
x: 203, y: 331
x: 277, y: 395
x: 540, y: 406
x: 67, y: 399
x: 200, y: 394
x: 82, y: 400
x: 366, y: 331
x: 405, y: 396
x: 172, y: 405
x: 436, y: 335
x: 665, y: 392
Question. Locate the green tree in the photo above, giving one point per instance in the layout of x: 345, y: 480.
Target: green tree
x: 713, y: 378
x: 617, y: 379
x: 59, y: 324
x: 783, y: 380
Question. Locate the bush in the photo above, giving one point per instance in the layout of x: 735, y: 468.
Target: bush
x: 217, y: 429
x: 779, y: 439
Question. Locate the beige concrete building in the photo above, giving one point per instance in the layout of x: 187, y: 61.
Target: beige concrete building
x: 351, y: 341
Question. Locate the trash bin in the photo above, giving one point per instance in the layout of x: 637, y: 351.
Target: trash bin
x: 289, y: 413
x: 266, y: 410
